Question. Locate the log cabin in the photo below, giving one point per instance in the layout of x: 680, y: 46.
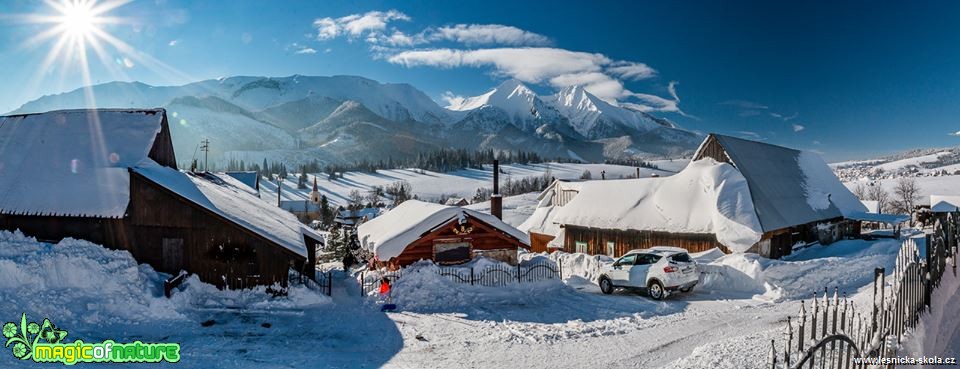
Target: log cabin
x: 109, y: 176
x: 417, y: 230
x: 736, y: 195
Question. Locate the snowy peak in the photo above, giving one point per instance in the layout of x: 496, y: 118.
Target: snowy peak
x: 516, y: 102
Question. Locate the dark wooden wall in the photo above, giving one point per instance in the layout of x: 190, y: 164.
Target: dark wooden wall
x: 218, y: 251
x: 712, y: 149
x: 162, y: 150
x: 109, y: 232
x: 483, y: 237
x: 624, y: 241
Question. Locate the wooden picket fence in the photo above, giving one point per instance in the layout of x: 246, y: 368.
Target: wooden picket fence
x: 832, y: 333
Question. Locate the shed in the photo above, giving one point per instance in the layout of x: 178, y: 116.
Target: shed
x: 417, y: 230
x: 109, y: 176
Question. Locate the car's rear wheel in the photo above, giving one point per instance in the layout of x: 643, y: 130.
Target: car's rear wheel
x: 606, y: 286
x: 655, y: 290
x: 686, y: 289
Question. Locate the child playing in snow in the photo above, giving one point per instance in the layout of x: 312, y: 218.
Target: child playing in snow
x: 385, y: 288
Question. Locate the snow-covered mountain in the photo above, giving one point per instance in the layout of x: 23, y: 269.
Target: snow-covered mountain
x: 349, y: 118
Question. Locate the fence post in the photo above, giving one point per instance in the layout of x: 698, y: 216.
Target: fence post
x: 471, y: 276
x: 518, y: 272
x: 773, y: 354
x: 560, y: 263
x: 803, y: 322
x: 362, y: 283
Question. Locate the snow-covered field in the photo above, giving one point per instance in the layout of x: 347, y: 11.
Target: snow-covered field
x: 727, y: 322
x: 433, y: 185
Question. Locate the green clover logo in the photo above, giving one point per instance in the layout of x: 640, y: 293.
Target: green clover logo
x: 26, y: 336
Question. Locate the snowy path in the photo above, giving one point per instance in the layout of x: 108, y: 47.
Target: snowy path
x: 632, y: 341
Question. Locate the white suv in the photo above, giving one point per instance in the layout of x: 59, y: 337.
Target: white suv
x: 657, y: 270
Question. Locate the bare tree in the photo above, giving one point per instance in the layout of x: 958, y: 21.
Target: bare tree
x: 876, y: 193
x: 355, y: 200
x: 906, y: 193
x: 860, y: 191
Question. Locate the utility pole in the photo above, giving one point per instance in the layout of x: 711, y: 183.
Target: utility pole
x: 205, y: 147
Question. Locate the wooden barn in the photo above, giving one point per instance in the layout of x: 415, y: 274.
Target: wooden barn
x: 109, y: 176
x: 737, y: 195
x: 417, y: 230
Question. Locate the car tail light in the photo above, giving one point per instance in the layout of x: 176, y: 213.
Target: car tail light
x: 670, y: 269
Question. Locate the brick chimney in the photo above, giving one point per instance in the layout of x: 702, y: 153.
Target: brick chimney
x: 496, y: 202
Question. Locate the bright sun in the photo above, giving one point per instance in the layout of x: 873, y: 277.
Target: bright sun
x: 78, y: 18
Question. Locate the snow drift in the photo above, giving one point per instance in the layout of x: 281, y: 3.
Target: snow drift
x: 77, y: 283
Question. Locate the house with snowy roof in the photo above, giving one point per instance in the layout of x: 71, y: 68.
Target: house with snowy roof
x: 417, y: 230
x: 737, y: 195
x: 109, y: 176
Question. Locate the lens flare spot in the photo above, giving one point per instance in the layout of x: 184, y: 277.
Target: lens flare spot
x: 183, y: 122
x: 175, y: 114
x: 114, y: 158
x: 74, y: 166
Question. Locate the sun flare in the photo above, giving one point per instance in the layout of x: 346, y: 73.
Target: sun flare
x: 78, y: 18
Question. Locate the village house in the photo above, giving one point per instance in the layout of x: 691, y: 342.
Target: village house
x: 109, y: 176
x: 417, y: 230
x: 456, y: 201
x: 736, y: 195
x: 351, y: 218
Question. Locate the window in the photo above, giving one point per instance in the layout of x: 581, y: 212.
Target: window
x: 681, y: 257
x: 647, y: 259
x: 448, y: 253
x: 611, y: 248
x: 581, y: 247
x: 627, y: 260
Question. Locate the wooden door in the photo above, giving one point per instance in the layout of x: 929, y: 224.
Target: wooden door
x: 172, y: 259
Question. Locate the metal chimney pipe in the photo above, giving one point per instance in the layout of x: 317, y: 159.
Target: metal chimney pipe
x: 496, y: 202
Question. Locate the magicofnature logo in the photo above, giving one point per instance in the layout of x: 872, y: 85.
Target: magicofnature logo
x: 43, y: 343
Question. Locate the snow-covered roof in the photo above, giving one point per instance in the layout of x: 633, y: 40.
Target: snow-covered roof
x: 455, y: 201
x: 705, y: 197
x: 389, y: 234
x: 541, y: 221
x: 789, y: 187
x: 73, y: 162
x: 941, y: 203
x: 231, y: 199
x: 872, y: 206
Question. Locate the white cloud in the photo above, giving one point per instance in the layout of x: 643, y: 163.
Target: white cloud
x: 173, y: 43
x: 751, y: 135
x: 798, y: 127
x: 487, y: 34
x: 526, y: 64
x: 632, y: 70
x: 957, y: 133
x: 744, y: 104
x: 451, y: 99
x: 305, y: 50
x: 816, y: 142
x: 356, y: 25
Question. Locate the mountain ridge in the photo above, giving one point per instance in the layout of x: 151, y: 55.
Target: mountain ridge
x: 281, y: 114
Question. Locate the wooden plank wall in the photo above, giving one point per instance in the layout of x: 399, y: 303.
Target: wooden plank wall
x: 538, y: 242
x: 624, y: 241
x: 483, y: 237
x: 219, y: 252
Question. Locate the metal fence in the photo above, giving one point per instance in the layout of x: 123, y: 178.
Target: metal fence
x: 832, y: 332
x: 325, y: 282
x: 497, y: 275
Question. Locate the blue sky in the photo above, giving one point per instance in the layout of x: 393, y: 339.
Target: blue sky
x: 848, y: 79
